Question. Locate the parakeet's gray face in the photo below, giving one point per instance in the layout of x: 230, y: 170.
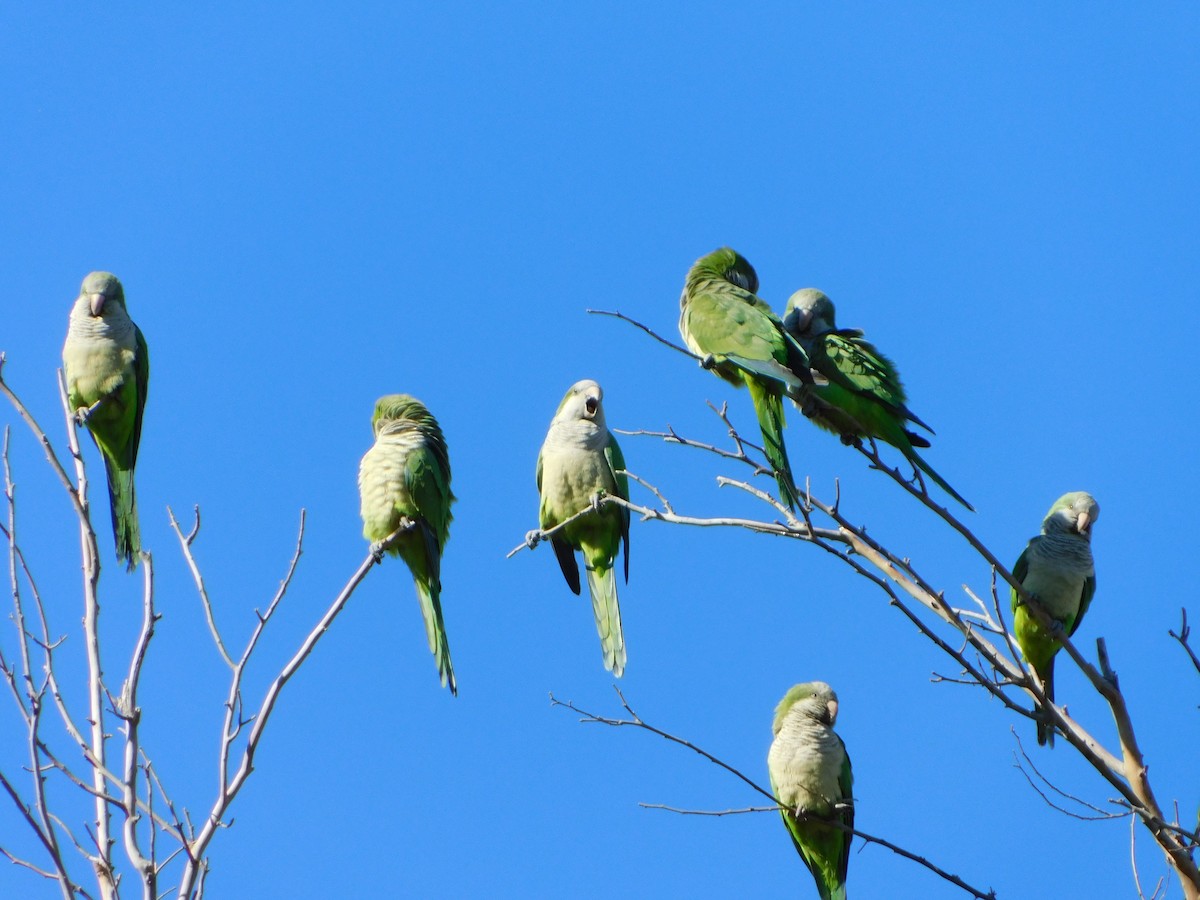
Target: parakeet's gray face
x: 815, y: 700
x: 101, y: 288
x: 809, y: 310
x: 1075, y: 512
x: 583, y: 402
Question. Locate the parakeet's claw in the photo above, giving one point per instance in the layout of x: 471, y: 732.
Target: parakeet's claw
x: 595, y: 500
x: 377, y: 551
x: 850, y: 439
x: 708, y: 362
x: 85, y: 412
x: 532, y: 538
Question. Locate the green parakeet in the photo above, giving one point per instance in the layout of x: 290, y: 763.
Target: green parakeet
x: 810, y: 771
x: 1056, y: 569
x: 579, y: 461
x: 406, y: 474
x: 863, y: 397
x: 107, y: 367
x: 722, y: 318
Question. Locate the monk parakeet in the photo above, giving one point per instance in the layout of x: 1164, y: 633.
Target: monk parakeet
x: 406, y: 474
x: 721, y: 318
x: 863, y: 397
x: 1056, y: 569
x: 810, y: 772
x: 107, y: 367
x: 579, y: 461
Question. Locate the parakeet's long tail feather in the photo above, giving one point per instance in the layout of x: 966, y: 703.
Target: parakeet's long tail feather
x: 435, y: 630
x: 941, y: 482
x: 123, y: 507
x: 768, y: 406
x: 1045, y: 731
x: 602, y: 586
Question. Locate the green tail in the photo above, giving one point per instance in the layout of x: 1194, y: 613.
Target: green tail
x: 1045, y: 731
x: 123, y: 507
x: 602, y: 585
x: 429, y: 595
x: 917, y: 461
x: 768, y: 406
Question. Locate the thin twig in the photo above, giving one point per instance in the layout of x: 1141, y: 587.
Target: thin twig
x: 636, y: 721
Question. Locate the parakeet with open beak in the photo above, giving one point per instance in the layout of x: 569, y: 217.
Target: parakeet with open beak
x: 579, y: 462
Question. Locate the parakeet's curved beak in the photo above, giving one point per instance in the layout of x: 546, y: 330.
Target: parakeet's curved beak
x: 832, y: 706
x: 96, y: 303
x: 797, y: 321
x: 590, y: 404
x: 1083, y: 523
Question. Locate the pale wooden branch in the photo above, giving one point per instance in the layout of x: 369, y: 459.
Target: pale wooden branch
x: 185, y: 544
x: 102, y: 862
x: 195, y: 868
x: 649, y: 331
x: 1125, y: 771
x: 32, y: 705
x: 636, y: 721
x: 128, y: 711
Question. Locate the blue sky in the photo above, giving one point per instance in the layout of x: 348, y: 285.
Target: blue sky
x: 311, y: 209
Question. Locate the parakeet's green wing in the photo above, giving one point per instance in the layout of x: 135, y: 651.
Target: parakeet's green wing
x: 1019, y: 571
x: 735, y: 324
x: 616, y: 464
x: 867, y: 370
x: 427, y: 484
x: 846, y: 814
x: 142, y: 377
x: 1089, y: 588
x: 563, y: 552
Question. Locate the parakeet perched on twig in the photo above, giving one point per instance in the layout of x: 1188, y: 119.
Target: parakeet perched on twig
x: 863, y: 397
x: 810, y: 772
x: 1056, y: 569
x: 107, y: 368
x: 406, y: 475
x: 579, y: 461
x: 722, y: 320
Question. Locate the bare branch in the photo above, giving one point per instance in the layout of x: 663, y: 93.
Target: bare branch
x: 1185, y: 631
x: 636, y: 721
x: 185, y: 544
x: 652, y: 333
x: 192, y: 882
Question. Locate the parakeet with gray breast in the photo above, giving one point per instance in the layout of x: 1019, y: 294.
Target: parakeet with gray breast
x: 107, y: 367
x: 579, y: 462
x: 1057, y: 569
x: 810, y: 772
x: 406, y: 474
x: 862, y: 396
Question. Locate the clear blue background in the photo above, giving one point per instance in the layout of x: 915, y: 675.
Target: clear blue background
x: 315, y: 205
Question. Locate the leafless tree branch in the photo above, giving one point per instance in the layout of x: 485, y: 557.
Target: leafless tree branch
x: 636, y: 721
x: 1185, y: 631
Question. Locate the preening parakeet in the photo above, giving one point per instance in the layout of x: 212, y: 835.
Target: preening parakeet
x: 863, y: 397
x: 107, y: 367
x: 407, y: 474
x: 810, y: 771
x: 1056, y: 569
x: 580, y: 460
x: 721, y: 317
